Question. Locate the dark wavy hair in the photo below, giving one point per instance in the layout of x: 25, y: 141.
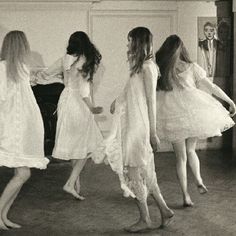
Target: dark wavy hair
x: 166, y: 57
x: 141, y: 48
x: 80, y: 44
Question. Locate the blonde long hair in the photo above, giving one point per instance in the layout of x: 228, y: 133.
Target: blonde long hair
x: 15, y: 51
x: 141, y: 48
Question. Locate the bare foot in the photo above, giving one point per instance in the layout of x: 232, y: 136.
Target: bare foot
x: 3, y: 226
x: 72, y: 191
x: 140, y: 226
x: 166, y: 218
x: 202, y: 188
x: 11, y: 224
x: 77, y: 187
x: 188, y: 202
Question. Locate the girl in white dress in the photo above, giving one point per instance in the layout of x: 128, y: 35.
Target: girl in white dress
x: 128, y: 149
x: 77, y: 133
x: 185, y: 113
x: 21, y: 125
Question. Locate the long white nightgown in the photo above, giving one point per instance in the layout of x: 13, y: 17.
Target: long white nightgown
x: 21, y: 124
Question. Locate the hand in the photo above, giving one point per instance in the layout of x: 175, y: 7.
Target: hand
x: 232, y: 109
x: 113, y: 107
x: 155, y: 142
x: 96, y: 110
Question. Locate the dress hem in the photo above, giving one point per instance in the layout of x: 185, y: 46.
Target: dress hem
x: 203, y: 136
x: 13, y: 161
x: 66, y: 157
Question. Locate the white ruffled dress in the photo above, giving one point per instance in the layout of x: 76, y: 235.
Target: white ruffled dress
x: 77, y: 133
x: 190, y: 111
x: 21, y: 124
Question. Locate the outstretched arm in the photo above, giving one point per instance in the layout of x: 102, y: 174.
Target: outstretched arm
x: 217, y: 91
x: 45, y: 76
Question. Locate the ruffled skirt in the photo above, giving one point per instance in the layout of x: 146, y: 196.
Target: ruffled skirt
x: 186, y: 113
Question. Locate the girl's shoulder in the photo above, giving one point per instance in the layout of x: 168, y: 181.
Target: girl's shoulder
x: 150, y: 70
x: 191, y: 67
x: 67, y: 61
x: 148, y: 62
x: 198, y: 68
x: 150, y: 65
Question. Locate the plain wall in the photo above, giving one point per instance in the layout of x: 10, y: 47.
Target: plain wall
x: 48, y: 26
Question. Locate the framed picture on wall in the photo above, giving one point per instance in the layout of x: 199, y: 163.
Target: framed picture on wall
x: 214, y: 35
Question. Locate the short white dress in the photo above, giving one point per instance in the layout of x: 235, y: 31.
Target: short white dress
x: 77, y: 133
x: 190, y: 111
x: 128, y: 143
x: 21, y: 124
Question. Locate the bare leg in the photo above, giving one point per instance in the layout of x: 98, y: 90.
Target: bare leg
x: 9, y: 194
x: 71, y: 182
x: 166, y: 213
x: 77, y: 183
x: 139, y: 188
x: 194, y: 163
x: 5, y: 211
x: 181, y: 168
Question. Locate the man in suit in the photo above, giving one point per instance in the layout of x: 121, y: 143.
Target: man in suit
x: 208, y: 48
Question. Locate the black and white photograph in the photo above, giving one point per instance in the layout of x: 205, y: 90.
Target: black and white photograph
x: 117, y: 117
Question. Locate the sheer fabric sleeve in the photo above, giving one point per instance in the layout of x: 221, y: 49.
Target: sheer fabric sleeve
x: 68, y: 61
x: 48, y: 75
x: 201, y: 80
x: 199, y: 73
x: 84, y: 88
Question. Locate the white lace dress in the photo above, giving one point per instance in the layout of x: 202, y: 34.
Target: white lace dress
x: 128, y: 144
x: 190, y: 111
x: 21, y: 125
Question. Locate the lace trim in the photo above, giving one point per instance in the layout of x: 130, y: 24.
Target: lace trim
x: 171, y: 136
x: 14, y: 160
x: 139, y: 189
x: 67, y: 157
x: 110, y: 153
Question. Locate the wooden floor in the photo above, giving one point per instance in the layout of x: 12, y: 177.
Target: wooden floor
x: 45, y: 210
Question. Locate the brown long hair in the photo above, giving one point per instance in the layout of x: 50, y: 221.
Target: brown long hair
x: 15, y: 51
x: 80, y: 44
x: 166, y: 57
x: 141, y: 48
